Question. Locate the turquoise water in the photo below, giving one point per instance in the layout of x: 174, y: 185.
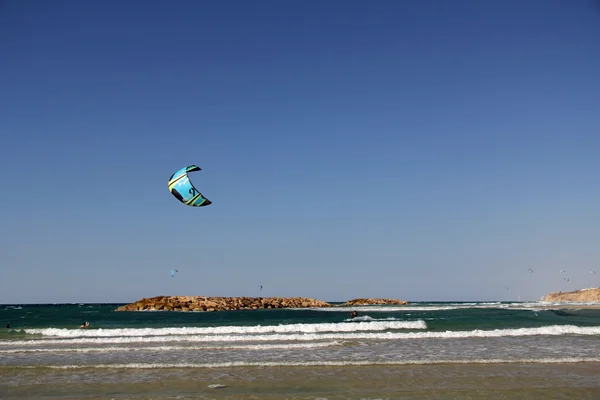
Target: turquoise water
x: 439, y: 316
x: 49, y: 334
x: 44, y: 343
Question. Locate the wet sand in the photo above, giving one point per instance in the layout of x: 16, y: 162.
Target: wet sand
x: 452, y: 381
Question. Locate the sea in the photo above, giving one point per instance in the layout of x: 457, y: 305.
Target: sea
x: 427, y: 350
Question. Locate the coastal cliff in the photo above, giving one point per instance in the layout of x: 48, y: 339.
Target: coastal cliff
x: 371, y: 301
x: 201, y: 303
x: 580, y: 296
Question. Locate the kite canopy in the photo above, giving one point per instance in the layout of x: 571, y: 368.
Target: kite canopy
x: 181, y: 187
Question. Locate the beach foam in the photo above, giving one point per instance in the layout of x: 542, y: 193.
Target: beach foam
x: 105, y: 349
x: 221, y: 330
x: 547, y: 360
x: 448, y: 306
x: 552, y: 330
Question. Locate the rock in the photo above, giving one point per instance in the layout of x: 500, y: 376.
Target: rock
x: 366, y: 302
x: 211, y: 304
x: 580, y: 296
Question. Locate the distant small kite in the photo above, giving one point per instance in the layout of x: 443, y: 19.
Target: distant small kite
x: 562, y: 271
x: 566, y: 279
x: 173, y: 273
x: 261, y: 288
x: 593, y: 272
x: 530, y: 270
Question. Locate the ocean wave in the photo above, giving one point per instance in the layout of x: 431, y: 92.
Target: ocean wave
x: 104, y: 349
x: 385, y: 308
x: 369, y: 318
x: 220, y: 330
x: 439, y: 307
x: 566, y: 303
x: 552, y: 330
x: 557, y: 360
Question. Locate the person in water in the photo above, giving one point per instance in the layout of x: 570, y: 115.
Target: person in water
x: 85, y: 325
x: 354, y: 314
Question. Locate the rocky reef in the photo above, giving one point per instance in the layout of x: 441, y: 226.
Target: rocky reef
x: 580, y: 296
x: 370, y: 301
x: 200, y: 303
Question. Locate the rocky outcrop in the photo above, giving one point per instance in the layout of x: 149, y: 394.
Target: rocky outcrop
x: 200, y: 303
x: 367, y: 302
x: 579, y: 296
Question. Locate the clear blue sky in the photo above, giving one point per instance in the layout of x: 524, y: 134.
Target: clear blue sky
x: 423, y: 150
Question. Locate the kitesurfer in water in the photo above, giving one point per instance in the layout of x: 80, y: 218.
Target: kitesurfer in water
x: 354, y: 314
x: 85, y: 325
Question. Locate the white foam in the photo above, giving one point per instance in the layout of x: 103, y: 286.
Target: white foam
x: 221, y: 330
x: 369, y: 318
x: 565, y: 303
x: 319, y: 363
x: 388, y: 308
x: 459, y: 306
x: 552, y: 330
x: 104, y: 349
x: 430, y: 307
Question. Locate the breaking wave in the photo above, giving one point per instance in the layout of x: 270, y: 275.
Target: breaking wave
x: 224, y: 330
x: 295, y: 335
x: 549, y: 360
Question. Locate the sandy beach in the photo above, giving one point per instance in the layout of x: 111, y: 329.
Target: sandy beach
x: 453, y: 381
